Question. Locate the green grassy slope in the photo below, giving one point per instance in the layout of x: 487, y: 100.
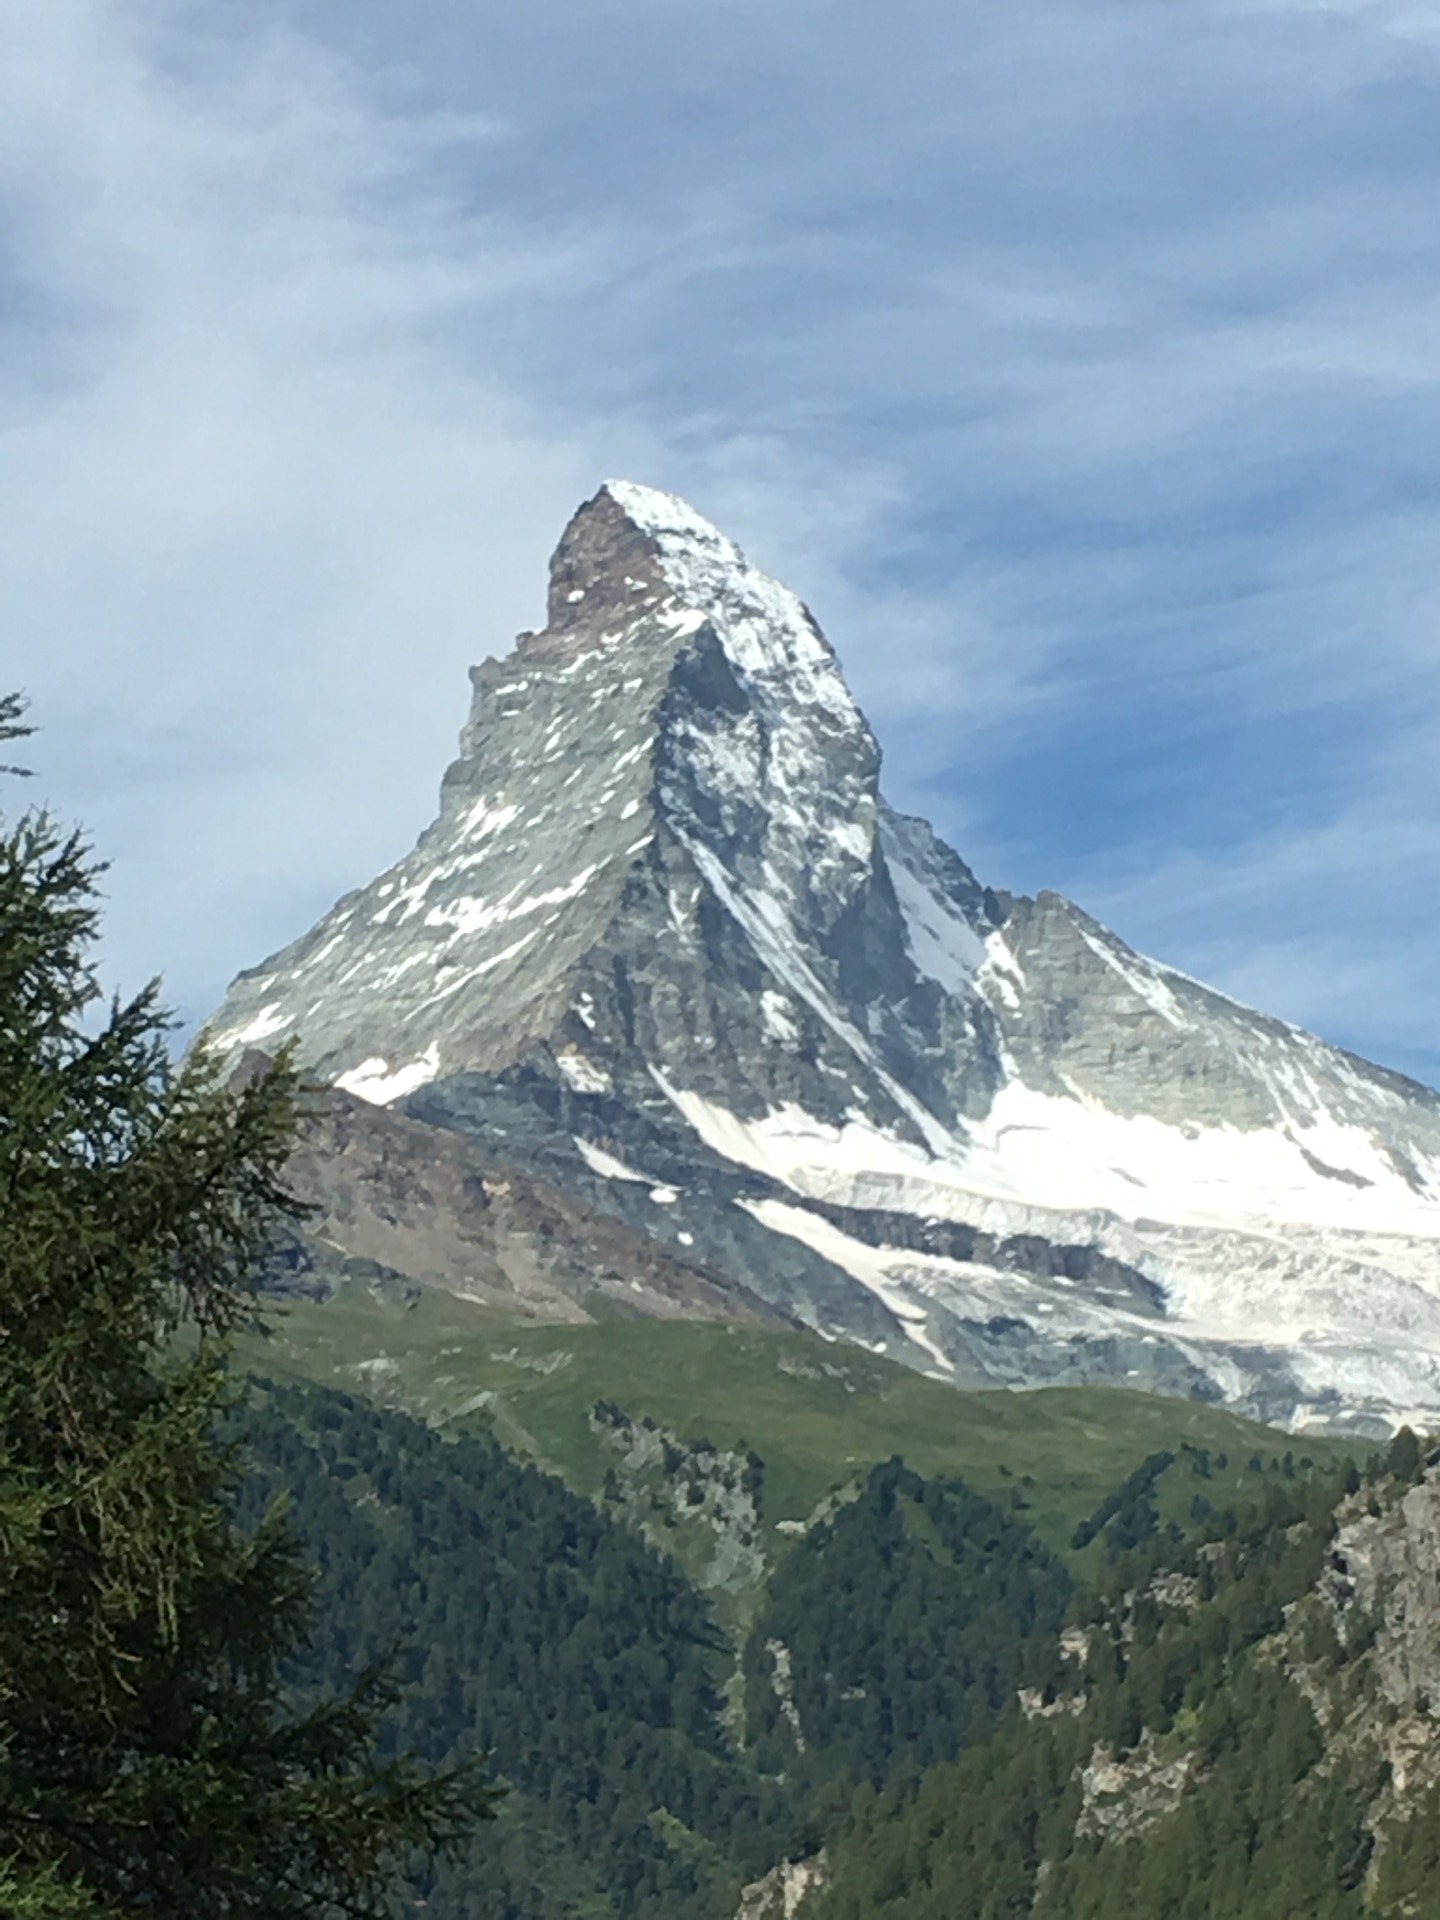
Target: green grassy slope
x: 819, y: 1414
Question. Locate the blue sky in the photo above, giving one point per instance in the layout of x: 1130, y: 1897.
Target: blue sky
x: 1079, y: 363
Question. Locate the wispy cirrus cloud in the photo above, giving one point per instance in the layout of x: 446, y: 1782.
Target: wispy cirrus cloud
x: 1075, y: 361
x: 255, y: 519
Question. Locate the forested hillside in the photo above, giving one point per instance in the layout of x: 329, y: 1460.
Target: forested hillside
x: 1215, y: 1741
x: 897, y: 1630
x: 1192, y: 1709
x: 528, y: 1626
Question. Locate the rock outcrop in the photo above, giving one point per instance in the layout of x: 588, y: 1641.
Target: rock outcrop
x: 1382, y: 1584
x: 780, y: 1895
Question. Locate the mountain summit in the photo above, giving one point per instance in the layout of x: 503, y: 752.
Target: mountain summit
x: 667, y: 947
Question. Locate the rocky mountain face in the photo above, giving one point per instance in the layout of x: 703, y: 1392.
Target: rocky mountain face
x: 667, y: 950
x: 1381, y: 1586
x: 399, y: 1204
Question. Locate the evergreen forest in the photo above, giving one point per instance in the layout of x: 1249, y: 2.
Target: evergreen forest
x: 924, y: 1687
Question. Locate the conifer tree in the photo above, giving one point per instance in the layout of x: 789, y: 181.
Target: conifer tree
x: 151, y: 1761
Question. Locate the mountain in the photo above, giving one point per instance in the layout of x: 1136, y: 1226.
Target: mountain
x: 668, y: 950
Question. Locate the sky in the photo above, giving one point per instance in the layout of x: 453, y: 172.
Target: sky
x: 1078, y: 363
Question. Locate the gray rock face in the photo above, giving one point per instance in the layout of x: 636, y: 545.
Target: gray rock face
x: 667, y: 947
x: 1381, y: 1589
x: 1384, y: 1574
x: 1124, y: 1795
x: 784, y: 1890
x: 397, y: 1202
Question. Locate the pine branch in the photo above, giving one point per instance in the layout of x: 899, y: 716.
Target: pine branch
x: 12, y: 727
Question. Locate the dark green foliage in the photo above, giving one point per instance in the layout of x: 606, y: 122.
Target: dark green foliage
x: 1404, y: 1461
x: 1263, y: 1832
x: 964, y: 1841
x: 148, y: 1763
x: 1130, y: 1510
x: 905, y: 1620
x: 539, y: 1630
x: 1408, y: 1870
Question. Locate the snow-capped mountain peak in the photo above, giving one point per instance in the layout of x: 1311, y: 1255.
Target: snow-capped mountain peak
x: 665, y: 923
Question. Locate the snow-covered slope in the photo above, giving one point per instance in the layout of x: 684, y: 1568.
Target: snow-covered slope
x: 667, y: 943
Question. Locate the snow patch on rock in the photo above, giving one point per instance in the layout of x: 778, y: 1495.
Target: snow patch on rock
x: 376, y: 1081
